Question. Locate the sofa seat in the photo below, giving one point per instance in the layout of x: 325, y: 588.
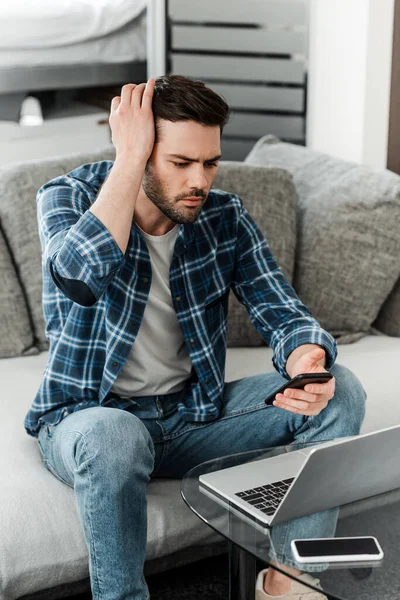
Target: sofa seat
x: 32, y: 500
x: 374, y: 359
x: 41, y: 542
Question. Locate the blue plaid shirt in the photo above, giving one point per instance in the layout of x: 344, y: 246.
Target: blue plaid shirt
x: 88, y: 344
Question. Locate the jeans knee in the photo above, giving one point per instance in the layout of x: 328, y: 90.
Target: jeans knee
x: 115, y: 442
x: 349, y: 399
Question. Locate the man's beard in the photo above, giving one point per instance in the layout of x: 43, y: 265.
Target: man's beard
x: 157, y: 192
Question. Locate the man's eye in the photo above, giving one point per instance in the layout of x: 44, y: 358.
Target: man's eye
x: 184, y: 164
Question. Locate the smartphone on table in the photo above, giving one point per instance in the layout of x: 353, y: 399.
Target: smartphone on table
x: 299, y: 382
x: 339, y: 549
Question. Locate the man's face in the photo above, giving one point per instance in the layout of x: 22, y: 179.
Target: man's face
x: 183, y: 165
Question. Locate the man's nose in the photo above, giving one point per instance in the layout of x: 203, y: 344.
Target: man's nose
x: 198, y: 179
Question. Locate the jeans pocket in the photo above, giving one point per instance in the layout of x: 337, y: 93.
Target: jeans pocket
x: 45, y: 439
x: 41, y: 449
x: 52, y: 470
x: 42, y: 439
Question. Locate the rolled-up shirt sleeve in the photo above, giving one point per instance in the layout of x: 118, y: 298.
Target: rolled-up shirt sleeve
x: 274, y: 308
x: 76, y: 244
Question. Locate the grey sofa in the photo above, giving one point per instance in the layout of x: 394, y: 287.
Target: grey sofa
x: 324, y: 220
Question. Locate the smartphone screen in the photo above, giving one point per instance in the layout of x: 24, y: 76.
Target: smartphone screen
x: 338, y: 547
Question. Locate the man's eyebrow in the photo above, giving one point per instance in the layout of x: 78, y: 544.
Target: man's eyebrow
x: 186, y: 158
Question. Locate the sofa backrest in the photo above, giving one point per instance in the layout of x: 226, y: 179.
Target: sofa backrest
x: 267, y: 192
x: 20, y: 253
x: 348, y: 253
x: 16, y: 333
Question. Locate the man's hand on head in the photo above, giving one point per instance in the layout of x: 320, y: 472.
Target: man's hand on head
x: 132, y: 122
x: 315, y: 396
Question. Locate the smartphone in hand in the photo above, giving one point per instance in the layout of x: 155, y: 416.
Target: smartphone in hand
x: 299, y: 382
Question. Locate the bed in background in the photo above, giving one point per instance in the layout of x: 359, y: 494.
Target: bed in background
x: 69, y: 44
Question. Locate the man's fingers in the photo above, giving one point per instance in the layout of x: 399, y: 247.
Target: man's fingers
x: 137, y: 96
x: 301, y: 395
x: 126, y: 93
x: 115, y: 102
x: 301, y: 408
x: 299, y: 411
x: 148, y: 94
x: 321, y: 388
x: 295, y: 402
x: 307, y: 402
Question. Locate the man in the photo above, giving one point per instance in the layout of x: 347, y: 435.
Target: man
x: 138, y: 260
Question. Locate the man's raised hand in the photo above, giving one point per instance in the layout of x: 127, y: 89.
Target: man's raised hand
x: 132, y: 122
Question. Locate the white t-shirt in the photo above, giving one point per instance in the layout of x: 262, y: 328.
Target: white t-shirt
x: 159, y: 361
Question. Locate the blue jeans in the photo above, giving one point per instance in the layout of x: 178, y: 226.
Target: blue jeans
x: 109, y: 455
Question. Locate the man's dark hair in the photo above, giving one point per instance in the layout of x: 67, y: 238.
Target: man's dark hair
x: 179, y: 98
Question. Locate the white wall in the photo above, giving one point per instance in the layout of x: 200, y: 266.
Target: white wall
x: 378, y: 79
x: 156, y: 38
x: 349, y: 78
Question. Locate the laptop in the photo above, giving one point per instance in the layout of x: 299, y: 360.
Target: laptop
x: 272, y: 490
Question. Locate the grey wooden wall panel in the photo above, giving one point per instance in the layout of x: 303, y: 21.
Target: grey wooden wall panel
x: 235, y: 149
x: 229, y: 39
x: 254, y: 54
x: 281, y: 12
x: 255, y: 125
x: 238, y: 68
x: 261, y: 97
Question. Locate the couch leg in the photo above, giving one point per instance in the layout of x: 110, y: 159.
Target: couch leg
x: 10, y: 106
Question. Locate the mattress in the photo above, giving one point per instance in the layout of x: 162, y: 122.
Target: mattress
x: 79, y: 32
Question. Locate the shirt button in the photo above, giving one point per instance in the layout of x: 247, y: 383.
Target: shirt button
x: 207, y: 381
x: 178, y: 298
x: 115, y: 364
x: 145, y: 279
x: 191, y: 341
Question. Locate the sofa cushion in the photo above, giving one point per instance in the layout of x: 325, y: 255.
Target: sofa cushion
x: 388, y: 320
x: 16, y: 335
x: 268, y: 194
x: 270, y: 197
x: 19, y: 184
x: 347, y: 260
x: 41, y: 540
x: 373, y: 359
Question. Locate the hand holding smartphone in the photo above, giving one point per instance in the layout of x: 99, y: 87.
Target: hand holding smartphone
x: 299, y: 382
x: 340, y: 549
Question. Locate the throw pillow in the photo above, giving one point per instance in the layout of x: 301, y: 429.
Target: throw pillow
x: 347, y: 260
x: 19, y: 184
x: 388, y: 320
x: 16, y: 335
x: 270, y: 197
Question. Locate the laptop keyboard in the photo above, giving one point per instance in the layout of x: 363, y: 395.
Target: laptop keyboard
x: 266, y: 497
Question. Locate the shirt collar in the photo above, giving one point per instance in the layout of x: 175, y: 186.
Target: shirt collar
x: 183, y: 239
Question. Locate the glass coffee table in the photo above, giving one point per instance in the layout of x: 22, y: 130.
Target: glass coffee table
x: 249, y: 547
